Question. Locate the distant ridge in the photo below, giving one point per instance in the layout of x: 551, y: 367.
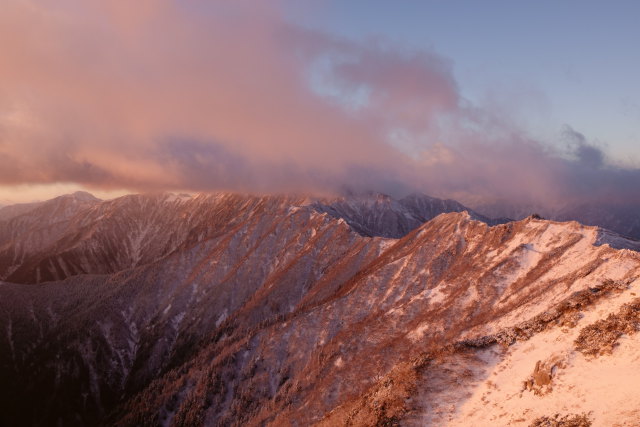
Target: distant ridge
x: 376, y: 214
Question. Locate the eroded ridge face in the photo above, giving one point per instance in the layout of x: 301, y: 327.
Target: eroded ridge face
x: 80, y: 234
x: 242, y: 310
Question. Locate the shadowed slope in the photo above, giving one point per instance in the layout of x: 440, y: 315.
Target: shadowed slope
x: 107, y: 237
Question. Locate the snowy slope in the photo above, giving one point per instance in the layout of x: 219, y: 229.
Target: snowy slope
x: 622, y: 217
x: 9, y: 211
x: 243, y: 310
x: 603, y: 387
x: 230, y: 309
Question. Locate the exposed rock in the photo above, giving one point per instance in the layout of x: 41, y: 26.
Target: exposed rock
x: 540, y: 381
x: 542, y: 374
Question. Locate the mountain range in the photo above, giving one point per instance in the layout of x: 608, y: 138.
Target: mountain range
x: 232, y: 309
x: 80, y: 234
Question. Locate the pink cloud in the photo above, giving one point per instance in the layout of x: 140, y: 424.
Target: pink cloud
x: 206, y: 96
x: 107, y: 88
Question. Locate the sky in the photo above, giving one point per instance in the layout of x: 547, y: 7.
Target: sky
x: 556, y: 62
x: 531, y: 102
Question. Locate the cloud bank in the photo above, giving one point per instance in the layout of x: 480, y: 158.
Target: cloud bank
x: 201, y: 96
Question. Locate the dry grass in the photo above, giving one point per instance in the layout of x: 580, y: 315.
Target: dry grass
x: 572, y: 420
x: 564, y: 314
x: 602, y: 336
x: 385, y: 404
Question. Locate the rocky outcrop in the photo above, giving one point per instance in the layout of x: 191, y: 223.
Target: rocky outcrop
x: 540, y: 381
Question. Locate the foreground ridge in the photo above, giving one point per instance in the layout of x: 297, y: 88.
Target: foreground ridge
x: 267, y: 310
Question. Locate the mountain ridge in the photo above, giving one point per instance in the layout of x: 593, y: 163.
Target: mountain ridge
x: 80, y: 234
x: 286, y: 314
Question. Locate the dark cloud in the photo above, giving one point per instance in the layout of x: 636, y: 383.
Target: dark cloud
x: 585, y: 153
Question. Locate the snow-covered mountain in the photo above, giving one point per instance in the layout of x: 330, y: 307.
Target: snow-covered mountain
x: 69, y: 202
x: 79, y: 234
x: 620, y: 217
x: 241, y: 310
x: 381, y: 215
x: 67, y: 236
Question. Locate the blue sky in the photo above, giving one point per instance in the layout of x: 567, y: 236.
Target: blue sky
x: 546, y: 63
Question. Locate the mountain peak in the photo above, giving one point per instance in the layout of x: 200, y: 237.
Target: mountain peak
x: 84, y: 196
